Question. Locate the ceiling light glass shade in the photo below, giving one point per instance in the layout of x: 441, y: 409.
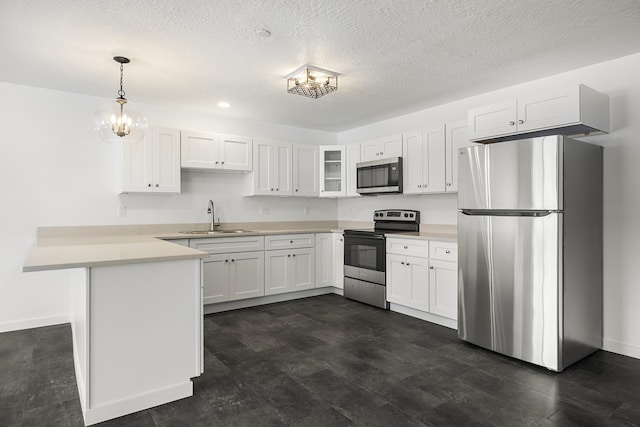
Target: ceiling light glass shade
x: 119, y: 120
x: 312, y: 82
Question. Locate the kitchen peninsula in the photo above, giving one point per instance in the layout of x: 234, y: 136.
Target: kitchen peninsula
x: 136, y: 317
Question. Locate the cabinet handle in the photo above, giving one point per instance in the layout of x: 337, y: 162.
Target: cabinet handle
x: 419, y: 185
x: 272, y: 189
x: 288, y: 255
x: 381, y: 153
x: 402, y: 262
x: 341, y: 240
x: 226, y: 260
x: 408, y: 264
x: 406, y: 247
x: 294, y: 255
x: 233, y: 260
x: 431, y: 267
x: 448, y: 184
x: 157, y: 185
x: 149, y: 185
x: 521, y: 122
x: 424, y: 185
x: 512, y: 123
x: 291, y: 241
x: 447, y: 251
x: 217, y: 162
x: 222, y: 162
x: 296, y: 189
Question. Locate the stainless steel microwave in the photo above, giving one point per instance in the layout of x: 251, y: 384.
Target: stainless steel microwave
x: 379, y: 176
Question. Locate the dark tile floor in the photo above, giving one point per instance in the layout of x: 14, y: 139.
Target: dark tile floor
x: 328, y: 361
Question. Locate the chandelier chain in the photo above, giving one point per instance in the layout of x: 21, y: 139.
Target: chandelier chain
x: 121, y: 92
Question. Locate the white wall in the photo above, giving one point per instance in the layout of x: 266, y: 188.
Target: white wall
x: 56, y: 172
x: 617, y: 78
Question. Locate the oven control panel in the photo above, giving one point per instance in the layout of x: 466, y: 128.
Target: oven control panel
x: 396, y: 215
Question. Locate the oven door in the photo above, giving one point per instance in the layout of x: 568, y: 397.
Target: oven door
x: 365, y: 257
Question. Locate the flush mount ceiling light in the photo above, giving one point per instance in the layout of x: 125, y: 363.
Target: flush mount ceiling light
x: 312, y: 82
x: 118, y: 119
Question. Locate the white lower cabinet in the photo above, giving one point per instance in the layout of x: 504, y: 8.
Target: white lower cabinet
x: 289, y: 270
x: 324, y: 260
x: 230, y: 272
x: 338, y: 260
x: 423, y: 276
x: 290, y: 261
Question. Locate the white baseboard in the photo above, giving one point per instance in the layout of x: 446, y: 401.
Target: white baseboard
x: 269, y: 299
x: 137, y: 403
x: 438, y: 320
x: 621, y: 348
x: 39, y: 322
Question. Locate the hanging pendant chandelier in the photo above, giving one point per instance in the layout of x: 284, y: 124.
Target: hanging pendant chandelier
x: 119, y: 120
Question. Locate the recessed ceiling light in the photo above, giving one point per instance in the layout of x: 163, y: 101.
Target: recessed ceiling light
x: 263, y: 33
x: 224, y: 104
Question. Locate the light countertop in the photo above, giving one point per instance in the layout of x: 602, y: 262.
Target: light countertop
x: 91, y: 246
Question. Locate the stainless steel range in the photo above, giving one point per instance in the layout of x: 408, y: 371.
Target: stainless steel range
x: 365, y: 255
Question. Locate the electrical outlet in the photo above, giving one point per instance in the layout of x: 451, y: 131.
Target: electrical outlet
x: 264, y: 210
x: 306, y: 210
x: 122, y: 210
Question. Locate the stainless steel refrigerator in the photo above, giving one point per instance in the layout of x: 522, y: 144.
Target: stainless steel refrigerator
x: 530, y: 249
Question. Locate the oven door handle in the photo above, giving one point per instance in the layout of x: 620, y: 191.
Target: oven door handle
x: 361, y: 237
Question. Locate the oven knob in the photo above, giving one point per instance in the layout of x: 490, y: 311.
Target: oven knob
x: 406, y: 215
x: 411, y: 215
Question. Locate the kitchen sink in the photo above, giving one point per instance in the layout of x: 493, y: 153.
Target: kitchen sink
x: 215, y: 232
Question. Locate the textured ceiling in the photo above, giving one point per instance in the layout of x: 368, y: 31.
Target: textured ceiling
x: 394, y: 56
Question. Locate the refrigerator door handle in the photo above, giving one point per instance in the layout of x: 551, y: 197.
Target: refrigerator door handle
x: 488, y: 212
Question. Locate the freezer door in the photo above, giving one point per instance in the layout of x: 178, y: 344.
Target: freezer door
x: 509, y: 285
x: 515, y: 175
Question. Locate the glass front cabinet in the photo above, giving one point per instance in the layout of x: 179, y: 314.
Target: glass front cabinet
x: 332, y: 171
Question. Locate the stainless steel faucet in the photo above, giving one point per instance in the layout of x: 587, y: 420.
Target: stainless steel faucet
x: 211, y: 211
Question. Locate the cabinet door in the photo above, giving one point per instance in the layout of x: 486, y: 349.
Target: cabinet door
x: 199, y: 150
x: 549, y: 110
x: 413, y: 162
x: 457, y: 137
x: 215, y: 278
x: 305, y: 170
x: 443, y: 283
x: 338, y: 260
x: 324, y: 260
x: 369, y: 150
x: 390, y: 146
x: 332, y: 171
x: 353, y: 158
x: 282, y: 172
x: 137, y: 166
x: 166, y: 161
x: 276, y: 274
x: 246, y: 275
x: 398, y: 285
x: 236, y: 152
x: 263, y: 168
x: 493, y: 120
x: 303, y: 263
x: 433, y: 158
x: 418, y: 275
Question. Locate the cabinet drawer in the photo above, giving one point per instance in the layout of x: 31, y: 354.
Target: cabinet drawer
x: 444, y: 251
x: 289, y: 241
x: 419, y: 248
x: 225, y: 245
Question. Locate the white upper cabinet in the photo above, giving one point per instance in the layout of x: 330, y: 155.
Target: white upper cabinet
x: 381, y: 148
x: 305, y: 170
x: 332, y: 171
x: 272, y: 168
x: 211, y: 151
x: 353, y: 158
x: 152, y: 165
x: 424, y: 160
x: 577, y: 110
x: 457, y: 136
